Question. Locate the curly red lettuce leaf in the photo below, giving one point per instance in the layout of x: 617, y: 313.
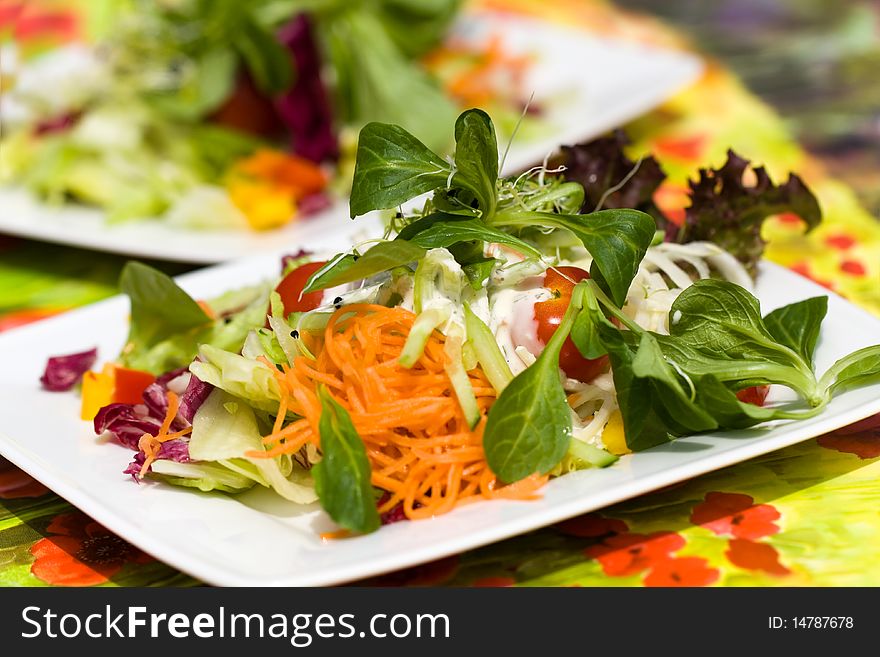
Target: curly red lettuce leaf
x: 723, y: 208
x: 609, y: 178
x: 727, y: 211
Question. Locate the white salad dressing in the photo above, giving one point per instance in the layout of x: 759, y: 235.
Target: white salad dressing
x: 512, y: 319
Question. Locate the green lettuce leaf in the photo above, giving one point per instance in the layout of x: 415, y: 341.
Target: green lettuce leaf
x: 225, y: 429
x: 250, y: 380
x: 204, y: 476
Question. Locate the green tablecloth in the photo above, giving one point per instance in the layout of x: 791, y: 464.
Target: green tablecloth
x: 806, y: 515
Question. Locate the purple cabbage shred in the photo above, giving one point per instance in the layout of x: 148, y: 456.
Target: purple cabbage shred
x: 395, y: 514
x: 127, y: 423
x: 305, y: 107
x: 63, y: 372
x: 290, y: 258
x: 313, y: 204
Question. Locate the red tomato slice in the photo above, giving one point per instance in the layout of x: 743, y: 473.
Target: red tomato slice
x: 291, y: 286
x: 549, y: 315
x: 755, y: 395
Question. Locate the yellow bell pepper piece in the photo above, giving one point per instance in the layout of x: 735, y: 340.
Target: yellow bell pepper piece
x: 613, y: 436
x: 264, y: 205
x: 97, y: 391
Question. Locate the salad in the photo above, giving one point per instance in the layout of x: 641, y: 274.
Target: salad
x: 503, y: 331
x: 224, y: 114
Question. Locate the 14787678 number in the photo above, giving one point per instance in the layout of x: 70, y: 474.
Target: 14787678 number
x: 810, y: 622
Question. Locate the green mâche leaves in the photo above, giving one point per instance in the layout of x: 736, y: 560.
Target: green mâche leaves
x: 342, y: 477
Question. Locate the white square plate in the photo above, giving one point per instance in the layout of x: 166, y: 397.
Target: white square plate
x: 585, y: 85
x: 259, y: 539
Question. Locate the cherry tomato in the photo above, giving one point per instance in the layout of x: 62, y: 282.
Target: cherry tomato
x: 754, y: 395
x: 249, y: 111
x: 549, y: 315
x: 291, y: 286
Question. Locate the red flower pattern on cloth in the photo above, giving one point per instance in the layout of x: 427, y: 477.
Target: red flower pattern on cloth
x: 682, y: 571
x: 840, y: 241
x: 432, y: 573
x: 623, y: 555
x: 21, y: 317
x: 591, y: 525
x: 735, y: 514
x: 864, y: 445
x: 868, y: 425
x: 751, y: 555
x: 672, y: 199
x: 790, y: 218
x: 15, y: 483
x: 688, y: 148
x: 80, y: 552
x: 803, y: 269
x: 861, y: 438
x: 853, y: 268
x: 494, y: 581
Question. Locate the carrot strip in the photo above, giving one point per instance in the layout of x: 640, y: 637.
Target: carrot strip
x: 151, y: 445
x: 419, y: 444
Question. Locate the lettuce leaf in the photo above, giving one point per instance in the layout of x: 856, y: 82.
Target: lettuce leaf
x: 726, y: 211
x: 204, y: 476
x: 609, y: 177
x: 250, y: 380
x: 225, y: 430
x: 167, y: 325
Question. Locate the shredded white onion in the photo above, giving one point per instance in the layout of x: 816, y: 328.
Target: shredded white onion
x: 666, y: 271
x: 650, y: 297
x: 657, y: 284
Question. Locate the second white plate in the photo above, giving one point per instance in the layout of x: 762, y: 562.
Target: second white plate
x: 585, y: 85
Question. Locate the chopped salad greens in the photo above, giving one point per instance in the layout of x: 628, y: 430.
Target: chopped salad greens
x: 497, y: 336
x: 222, y: 114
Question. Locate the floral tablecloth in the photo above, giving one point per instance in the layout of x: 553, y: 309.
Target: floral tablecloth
x: 806, y: 515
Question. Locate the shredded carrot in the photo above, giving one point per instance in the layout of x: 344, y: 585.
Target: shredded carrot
x: 421, y: 449
x: 204, y: 305
x: 150, y: 445
x: 477, y: 77
x: 335, y: 535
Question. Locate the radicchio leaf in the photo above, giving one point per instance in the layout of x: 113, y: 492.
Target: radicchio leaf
x: 730, y: 213
x: 173, y: 450
x: 305, y: 107
x: 57, y: 124
x: 63, y: 372
x: 290, y: 259
x: 193, y: 397
x: 313, y: 204
x: 127, y: 423
x: 156, y: 394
